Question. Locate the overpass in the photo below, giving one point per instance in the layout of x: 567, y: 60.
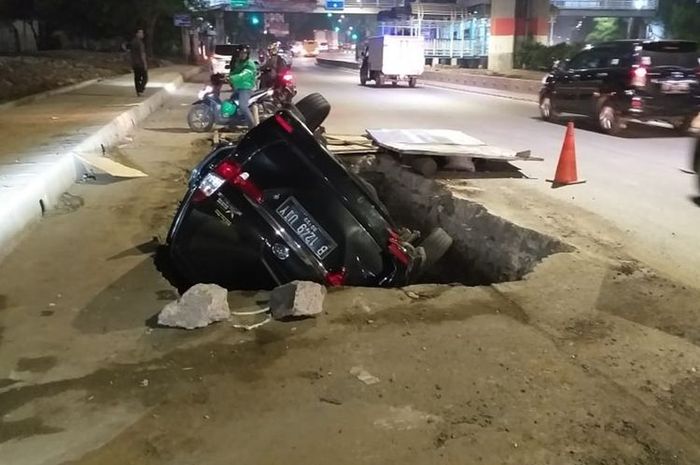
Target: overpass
x: 607, y: 8
x: 368, y: 7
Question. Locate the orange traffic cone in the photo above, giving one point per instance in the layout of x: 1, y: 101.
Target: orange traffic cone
x: 566, y: 168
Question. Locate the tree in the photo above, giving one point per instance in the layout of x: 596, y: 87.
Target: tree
x: 681, y: 18
x: 605, y: 29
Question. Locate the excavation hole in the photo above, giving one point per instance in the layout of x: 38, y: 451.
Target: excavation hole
x: 486, y: 249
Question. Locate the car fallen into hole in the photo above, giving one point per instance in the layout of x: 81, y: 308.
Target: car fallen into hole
x: 278, y: 206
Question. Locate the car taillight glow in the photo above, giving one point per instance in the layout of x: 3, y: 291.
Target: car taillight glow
x: 284, y: 123
x: 336, y: 278
x: 639, y: 77
x: 636, y: 103
x: 288, y: 77
x: 228, y: 171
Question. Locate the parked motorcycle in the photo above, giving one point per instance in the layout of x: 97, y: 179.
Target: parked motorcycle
x: 210, y: 109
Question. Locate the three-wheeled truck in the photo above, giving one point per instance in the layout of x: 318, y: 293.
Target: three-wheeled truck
x: 393, y: 59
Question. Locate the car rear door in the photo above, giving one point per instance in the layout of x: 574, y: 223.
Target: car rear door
x: 672, y: 75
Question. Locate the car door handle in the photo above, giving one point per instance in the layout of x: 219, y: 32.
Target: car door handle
x: 601, y: 74
x: 576, y: 76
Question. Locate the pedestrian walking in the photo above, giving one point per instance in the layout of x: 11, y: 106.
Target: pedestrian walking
x: 139, y: 63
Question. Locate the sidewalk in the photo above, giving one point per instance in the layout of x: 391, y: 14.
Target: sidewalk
x: 41, y: 140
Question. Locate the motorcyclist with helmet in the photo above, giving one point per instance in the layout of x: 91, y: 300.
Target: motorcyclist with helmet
x: 242, y: 79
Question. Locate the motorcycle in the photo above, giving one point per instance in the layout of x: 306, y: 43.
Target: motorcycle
x: 210, y: 109
x: 284, y: 90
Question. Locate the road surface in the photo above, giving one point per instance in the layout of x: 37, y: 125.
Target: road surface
x: 635, y: 182
x: 600, y: 366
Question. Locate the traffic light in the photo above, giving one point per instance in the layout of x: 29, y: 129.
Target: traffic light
x: 254, y: 20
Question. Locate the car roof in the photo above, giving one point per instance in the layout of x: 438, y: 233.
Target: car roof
x: 631, y: 43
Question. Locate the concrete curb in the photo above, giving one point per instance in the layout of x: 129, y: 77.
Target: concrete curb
x: 23, y: 205
x: 337, y: 63
x: 526, y: 87
x: 49, y: 93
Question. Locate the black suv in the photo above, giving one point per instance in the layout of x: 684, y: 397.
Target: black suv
x: 278, y: 206
x: 625, y: 80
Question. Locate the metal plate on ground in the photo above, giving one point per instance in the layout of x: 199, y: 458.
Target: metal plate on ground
x: 442, y: 143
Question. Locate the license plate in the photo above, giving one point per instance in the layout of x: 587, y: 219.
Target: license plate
x: 306, y: 228
x: 675, y: 87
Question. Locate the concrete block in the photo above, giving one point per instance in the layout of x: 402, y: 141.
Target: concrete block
x: 200, y: 306
x: 298, y: 298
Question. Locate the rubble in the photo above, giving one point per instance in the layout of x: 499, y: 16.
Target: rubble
x: 200, y: 306
x: 297, y: 299
x: 364, y: 375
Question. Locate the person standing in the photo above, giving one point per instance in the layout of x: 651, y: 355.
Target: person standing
x: 139, y: 63
x: 242, y: 80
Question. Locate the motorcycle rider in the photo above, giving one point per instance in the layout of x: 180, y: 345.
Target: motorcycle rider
x: 275, y: 66
x: 242, y: 79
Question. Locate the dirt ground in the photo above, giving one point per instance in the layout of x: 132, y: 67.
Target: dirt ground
x: 592, y: 359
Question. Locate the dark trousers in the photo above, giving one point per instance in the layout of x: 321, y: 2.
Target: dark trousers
x: 140, y: 78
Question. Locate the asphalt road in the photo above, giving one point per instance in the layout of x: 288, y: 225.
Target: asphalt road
x: 637, y: 181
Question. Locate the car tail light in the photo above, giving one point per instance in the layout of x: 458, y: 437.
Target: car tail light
x: 395, y: 248
x: 284, y: 123
x: 639, y: 77
x: 336, y: 278
x: 288, y: 77
x: 231, y: 172
x: 637, y: 103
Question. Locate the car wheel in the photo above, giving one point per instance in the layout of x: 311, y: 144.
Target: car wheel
x: 609, y: 120
x: 380, y: 80
x: 315, y: 109
x: 547, y: 111
x: 696, y: 162
x: 200, y: 118
x: 412, y: 82
x: 684, y: 124
x: 363, y: 79
x: 436, y: 246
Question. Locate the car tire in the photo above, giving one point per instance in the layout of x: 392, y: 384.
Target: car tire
x: 696, y: 160
x: 363, y: 79
x: 379, y: 82
x: 435, y: 246
x: 200, y: 118
x: 609, y: 120
x: 315, y: 109
x: 547, y: 111
x: 426, y: 166
x: 683, y: 126
x: 412, y: 82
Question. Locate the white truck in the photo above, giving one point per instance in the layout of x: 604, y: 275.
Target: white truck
x: 393, y: 58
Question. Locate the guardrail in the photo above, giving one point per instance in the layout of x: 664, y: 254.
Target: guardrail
x: 606, y: 4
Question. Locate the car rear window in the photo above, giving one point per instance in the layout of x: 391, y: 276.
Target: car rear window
x: 228, y: 50
x: 684, y: 54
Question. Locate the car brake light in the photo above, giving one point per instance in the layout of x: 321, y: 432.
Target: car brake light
x: 284, y: 123
x: 336, y: 278
x: 639, y: 77
x: 228, y: 171
x: 288, y: 77
x: 636, y: 103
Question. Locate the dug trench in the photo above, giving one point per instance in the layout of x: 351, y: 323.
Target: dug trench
x: 486, y: 248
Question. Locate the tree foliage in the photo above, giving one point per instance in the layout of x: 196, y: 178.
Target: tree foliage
x: 681, y: 18
x: 98, y: 19
x: 605, y: 29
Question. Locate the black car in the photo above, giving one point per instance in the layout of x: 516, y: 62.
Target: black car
x: 278, y: 206
x: 696, y: 159
x: 619, y: 81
